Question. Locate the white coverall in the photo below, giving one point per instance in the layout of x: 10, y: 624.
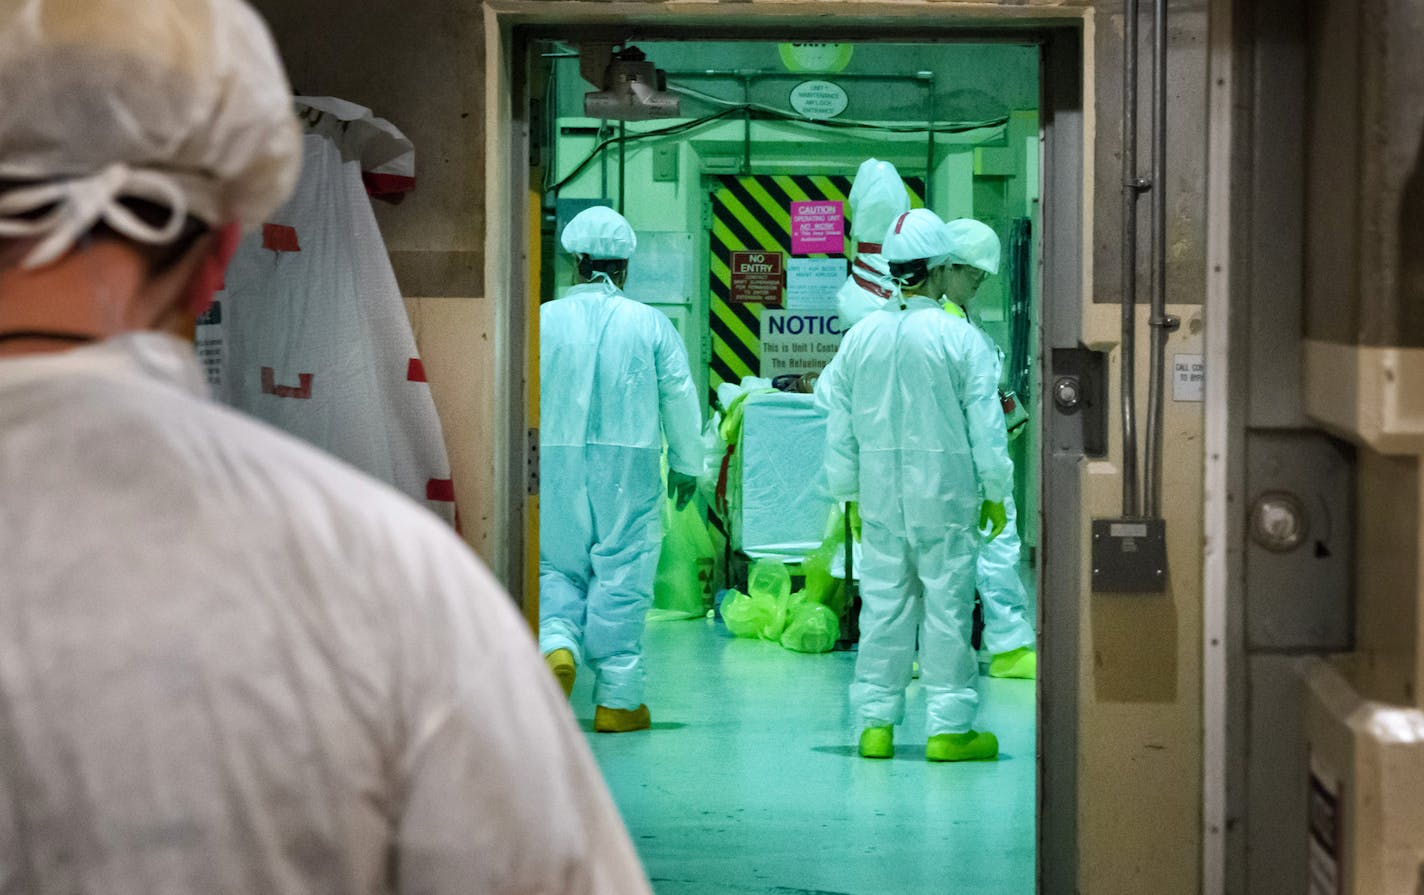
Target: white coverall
x: 1001, y: 592
x: 230, y: 664
x: 915, y: 433
x: 614, y: 381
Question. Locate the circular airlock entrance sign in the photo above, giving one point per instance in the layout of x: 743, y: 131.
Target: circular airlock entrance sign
x: 819, y: 99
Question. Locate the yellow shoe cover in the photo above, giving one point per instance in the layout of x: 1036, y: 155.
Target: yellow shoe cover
x: 561, y: 662
x: 877, y: 742
x: 607, y: 720
x: 1020, y: 663
x: 971, y: 746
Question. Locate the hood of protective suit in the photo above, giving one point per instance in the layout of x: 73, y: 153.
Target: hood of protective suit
x: 599, y: 232
x: 180, y: 102
x: 918, y: 233
x: 876, y: 198
x: 973, y: 243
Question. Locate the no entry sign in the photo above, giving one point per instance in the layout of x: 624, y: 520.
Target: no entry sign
x: 757, y: 277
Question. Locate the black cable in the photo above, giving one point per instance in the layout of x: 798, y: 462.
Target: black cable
x: 760, y: 113
x: 642, y: 135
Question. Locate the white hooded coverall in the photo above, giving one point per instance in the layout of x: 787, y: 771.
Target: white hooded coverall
x: 1001, y: 591
x: 231, y: 664
x: 915, y: 433
x: 876, y: 198
x: 614, y: 380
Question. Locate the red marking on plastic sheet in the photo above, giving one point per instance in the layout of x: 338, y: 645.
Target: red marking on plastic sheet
x: 280, y: 238
x: 415, y: 371
x: 387, y: 186
x: 720, y: 493
x: 442, y: 490
x: 900, y: 222
x: 270, y: 386
x: 872, y: 248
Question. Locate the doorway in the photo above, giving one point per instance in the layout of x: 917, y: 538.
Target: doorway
x: 717, y: 797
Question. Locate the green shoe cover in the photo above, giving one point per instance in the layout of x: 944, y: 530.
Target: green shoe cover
x: 972, y: 746
x: 1019, y: 663
x: 877, y: 742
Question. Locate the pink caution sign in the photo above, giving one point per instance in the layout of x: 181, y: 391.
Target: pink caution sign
x: 817, y: 227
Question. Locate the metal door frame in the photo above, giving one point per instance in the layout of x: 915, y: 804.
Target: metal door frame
x: 511, y: 26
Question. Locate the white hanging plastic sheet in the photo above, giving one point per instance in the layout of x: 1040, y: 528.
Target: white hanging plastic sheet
x: 310, y: 332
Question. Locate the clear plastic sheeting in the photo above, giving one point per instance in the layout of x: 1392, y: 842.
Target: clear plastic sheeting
x: 784, y: 504
x: 311, y: 333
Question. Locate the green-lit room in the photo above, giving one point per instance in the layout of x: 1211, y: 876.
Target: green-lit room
x: 735, y: 165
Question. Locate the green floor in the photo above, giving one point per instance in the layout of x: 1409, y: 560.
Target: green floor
x: 749, y: 782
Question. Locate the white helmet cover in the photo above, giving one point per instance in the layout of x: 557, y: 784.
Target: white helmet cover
x: 599, y: 232
x: 180, y: 102
x: 876, y: 198
x: 973, y: 243
x: 916, y: 234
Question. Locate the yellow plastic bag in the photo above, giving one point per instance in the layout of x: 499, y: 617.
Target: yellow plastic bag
x: 683, y: 584
x: 811, y: 628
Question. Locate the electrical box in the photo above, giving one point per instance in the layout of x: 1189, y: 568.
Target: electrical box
x: 1130, y: 556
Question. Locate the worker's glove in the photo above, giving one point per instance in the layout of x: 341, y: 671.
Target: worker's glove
x: 992, y: 519
x: 681, y: 487
x: 853, y: 514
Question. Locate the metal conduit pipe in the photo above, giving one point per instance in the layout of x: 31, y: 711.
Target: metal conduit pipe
x: 1131, y: 186
x: 929, y: 79
x: 1160, y: 322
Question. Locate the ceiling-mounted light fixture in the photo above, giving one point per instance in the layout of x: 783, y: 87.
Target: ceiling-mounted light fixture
x: 631, y: 87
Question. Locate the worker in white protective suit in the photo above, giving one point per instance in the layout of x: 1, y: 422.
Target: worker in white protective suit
x: 1008, y: 630
x: 614, y: 381
x: 877, y: 198
x: 1009, y: 637
x: 915, y: 434
x: 228, y: 663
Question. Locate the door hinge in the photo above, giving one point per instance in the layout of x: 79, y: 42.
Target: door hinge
x: 531, y: 483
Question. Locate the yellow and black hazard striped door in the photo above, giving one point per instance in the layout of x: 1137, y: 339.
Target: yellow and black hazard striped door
x: 753, y: 214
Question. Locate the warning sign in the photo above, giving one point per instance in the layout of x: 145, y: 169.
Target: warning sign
x: 794, y: 342
x: 757, y: 277
x: 817, y: 228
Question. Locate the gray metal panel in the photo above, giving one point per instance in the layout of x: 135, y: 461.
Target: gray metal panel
x: 1276, y: 824
x: 1059, y: 614
x: 1276, y: 291
x: 1300, y: 600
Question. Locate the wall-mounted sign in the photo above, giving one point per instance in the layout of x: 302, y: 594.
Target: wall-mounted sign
x: 1188, y: 377
x: 815, y: 56
x: 819, y: 99
x: 793, y: 342
x: 757, y: 277
x: 817, y: 227
x: 812, y: 283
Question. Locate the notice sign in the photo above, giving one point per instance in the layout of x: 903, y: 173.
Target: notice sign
x: 812, y: 283
x: 757, y: 277
x: 794, y: 342
x: 817, y: 228
x: 1188, y: 377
